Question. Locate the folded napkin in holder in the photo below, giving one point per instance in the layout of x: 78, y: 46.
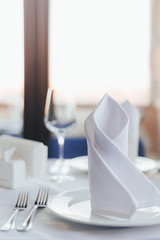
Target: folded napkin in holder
x: 32, y: 152
x: 12, y: 172
x: 117, y: 187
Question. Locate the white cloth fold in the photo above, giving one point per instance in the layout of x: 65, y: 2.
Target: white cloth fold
x: 134, y: 116
x: 117, y: 187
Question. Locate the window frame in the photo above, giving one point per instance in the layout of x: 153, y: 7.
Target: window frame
x: 36, y: 68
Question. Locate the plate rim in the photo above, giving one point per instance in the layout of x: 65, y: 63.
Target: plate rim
x: 91, y: 223
x: 137, y: 158
x: 149, y: 159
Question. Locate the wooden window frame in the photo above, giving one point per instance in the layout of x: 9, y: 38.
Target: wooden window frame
x: 36, y: 68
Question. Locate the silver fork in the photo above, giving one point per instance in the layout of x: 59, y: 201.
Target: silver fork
x: 21, y: 205
x: 40, y: 202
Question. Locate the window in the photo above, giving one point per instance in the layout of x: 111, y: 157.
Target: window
x: 12, y: 65
x: 99, y: 46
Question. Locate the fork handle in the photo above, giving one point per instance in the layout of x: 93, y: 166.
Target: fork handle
x: 10, y: 224
x: 27, y: 224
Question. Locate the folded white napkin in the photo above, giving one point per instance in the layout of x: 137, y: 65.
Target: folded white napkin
x: 117, y: 187
x: 134, y: 116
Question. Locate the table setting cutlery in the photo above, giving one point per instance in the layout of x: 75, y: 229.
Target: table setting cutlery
x: 119, y: 194
x: 40, y: 202
x: 21, y: 205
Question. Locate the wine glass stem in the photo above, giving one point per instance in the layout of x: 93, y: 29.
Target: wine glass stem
x: 61, y: 147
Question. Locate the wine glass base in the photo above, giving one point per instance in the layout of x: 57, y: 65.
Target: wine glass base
x: 59, y: 171
x: 59, y: 167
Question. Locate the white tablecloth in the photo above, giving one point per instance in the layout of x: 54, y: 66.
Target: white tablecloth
x: 48, y: 226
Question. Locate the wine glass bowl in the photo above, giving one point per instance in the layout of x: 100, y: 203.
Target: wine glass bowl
x: 59, y: 119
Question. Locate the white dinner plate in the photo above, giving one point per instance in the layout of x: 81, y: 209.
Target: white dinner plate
x: 79, y: 163
x: 143, y: 163
x: 75, y: 206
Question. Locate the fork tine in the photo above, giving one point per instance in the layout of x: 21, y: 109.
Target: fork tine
x: 47, y: 193
x: 41, y: 196
x: 26, y: 200
x: 40, y: 202
x: 44, y: 196
x: 18, y: 200
x: 20, y: 205
x: 21, y: 200
x: 37, y: 198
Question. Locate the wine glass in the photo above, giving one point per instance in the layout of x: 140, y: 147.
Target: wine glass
x: 59, y: 118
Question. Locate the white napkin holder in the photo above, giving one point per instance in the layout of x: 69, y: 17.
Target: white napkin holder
x: 12, y: 172
x: 33, y: 153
